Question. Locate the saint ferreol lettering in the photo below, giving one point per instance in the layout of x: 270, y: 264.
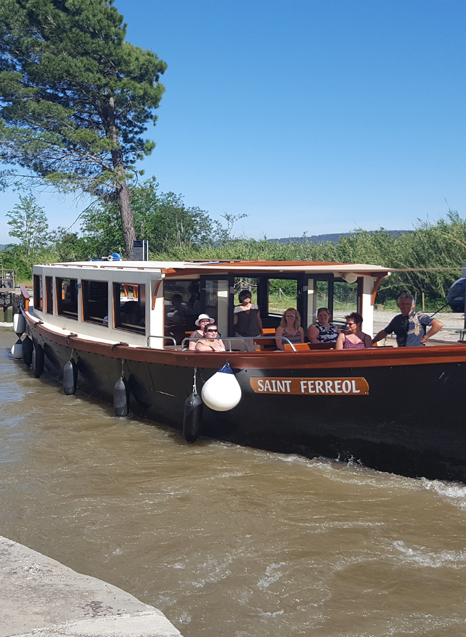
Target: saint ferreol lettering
x: 274, y: 385
x: 311, y: 386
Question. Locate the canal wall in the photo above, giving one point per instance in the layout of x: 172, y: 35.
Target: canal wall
x: 41, y: 597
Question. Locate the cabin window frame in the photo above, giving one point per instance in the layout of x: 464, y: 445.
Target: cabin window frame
x: 118, y: 324
x: 38, y: 292
x: 86, y: 301
x: 73, y: 285
x: 359, y: 293
x: 229, y: 279
x: 49, y: 294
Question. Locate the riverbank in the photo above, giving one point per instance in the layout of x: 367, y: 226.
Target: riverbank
x: 41, y: 597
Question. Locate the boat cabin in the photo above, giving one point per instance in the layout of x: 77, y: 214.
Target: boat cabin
x: 155, y: 304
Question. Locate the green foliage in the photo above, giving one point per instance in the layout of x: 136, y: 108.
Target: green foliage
x: 29, y: 224
x: 429, y: 258
x: 75, y: 97
x: 161, y: 218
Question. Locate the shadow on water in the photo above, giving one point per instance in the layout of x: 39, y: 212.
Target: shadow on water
x: 227, y: 540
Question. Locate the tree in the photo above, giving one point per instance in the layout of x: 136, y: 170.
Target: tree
x: 161, y: 218
x: 29, y: 225
x: 75, y: 98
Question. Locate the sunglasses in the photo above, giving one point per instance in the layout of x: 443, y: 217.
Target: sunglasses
x: 290, y: 315
x: 351, y: 324
x: 211, y: 331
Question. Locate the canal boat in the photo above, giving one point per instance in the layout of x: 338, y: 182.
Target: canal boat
x: 119, y: 331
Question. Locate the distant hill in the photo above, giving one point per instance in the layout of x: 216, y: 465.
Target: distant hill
x: 334, y: 238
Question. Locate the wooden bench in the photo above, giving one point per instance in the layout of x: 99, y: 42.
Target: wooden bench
x: 299, y: 347
x: 266, y: 344
x: 322, y: 345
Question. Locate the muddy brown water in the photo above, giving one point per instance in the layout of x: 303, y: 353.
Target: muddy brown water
x: 227, y: 540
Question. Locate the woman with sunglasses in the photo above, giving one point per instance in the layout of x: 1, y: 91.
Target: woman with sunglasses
x: 202, y: 322
x: 290, y: 327
x: 353, y: 337
x: 211, y: 342
x: 323, y: 331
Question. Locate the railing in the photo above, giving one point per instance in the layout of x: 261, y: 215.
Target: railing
x: 245, y: 341
x: 164, y: 338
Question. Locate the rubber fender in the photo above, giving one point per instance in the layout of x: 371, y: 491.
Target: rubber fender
x: 70, y: 377
x: 222, y: 391
x: 19, y: 323
x: 192, y: 417
x: 121, y: 398
x: 38, y: 359
x: 28, y: 347
x: 17, y: 349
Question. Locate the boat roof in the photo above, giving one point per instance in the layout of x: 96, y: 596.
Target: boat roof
x: 203, y: 267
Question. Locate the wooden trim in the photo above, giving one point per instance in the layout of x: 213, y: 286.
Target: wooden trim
x: 375, y: 289
x: 156, y: 291
x: 25, y: 297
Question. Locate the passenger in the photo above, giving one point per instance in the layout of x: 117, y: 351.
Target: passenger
x: 128, y: 313
x: 354, y: 338
x: 176, y: 318
x: 409, y: 326
x: 247, y: 320
x: 290, y: 327
x: 323, y: 331
x: 212, y: 342
x: 202, y: 322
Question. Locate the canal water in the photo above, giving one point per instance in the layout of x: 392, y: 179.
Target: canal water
x: 227, y: 541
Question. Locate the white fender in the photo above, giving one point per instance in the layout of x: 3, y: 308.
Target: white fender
x: 222, y: 391
x: 19, y: 323
x: 17, y: 349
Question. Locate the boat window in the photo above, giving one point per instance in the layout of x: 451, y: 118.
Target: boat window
x: 318, y: 295
x: 95, y: 302
x: 217, y: 297
x: 49, y: 294
x: 249, y: 284
x: 182, y: 307
x: 282, y: 294
x: 67, y: 297
x: 129, y: 303
x: 345, y: 299
x: 38, y: 292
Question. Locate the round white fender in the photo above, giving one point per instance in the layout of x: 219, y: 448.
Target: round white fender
x: 17, y: 349
x: 222, y: 391
x: 19, y: 323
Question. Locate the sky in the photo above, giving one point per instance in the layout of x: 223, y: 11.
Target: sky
x: 312, y: 116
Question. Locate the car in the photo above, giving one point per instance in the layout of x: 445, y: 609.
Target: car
x: 455, y: 296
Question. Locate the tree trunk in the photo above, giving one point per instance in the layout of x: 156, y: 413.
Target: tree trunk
x: 122, y: 190
x: 127, y: 218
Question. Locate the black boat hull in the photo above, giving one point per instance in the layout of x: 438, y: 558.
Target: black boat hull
x: 407, y: 422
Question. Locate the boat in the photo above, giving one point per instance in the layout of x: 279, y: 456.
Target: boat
x: 119, y: 331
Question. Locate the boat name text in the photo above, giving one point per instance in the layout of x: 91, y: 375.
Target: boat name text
x: 311, y: 386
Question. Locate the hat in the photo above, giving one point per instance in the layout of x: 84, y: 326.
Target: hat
x: 204, y: 316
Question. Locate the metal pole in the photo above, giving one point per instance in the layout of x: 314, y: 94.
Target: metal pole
x: 464, y: 295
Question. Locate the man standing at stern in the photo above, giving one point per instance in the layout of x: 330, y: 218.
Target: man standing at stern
x: 409, y: 326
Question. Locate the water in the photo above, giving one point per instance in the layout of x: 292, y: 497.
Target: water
x: 227, y: 540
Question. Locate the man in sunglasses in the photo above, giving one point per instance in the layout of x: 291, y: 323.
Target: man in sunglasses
x: 409, y: 326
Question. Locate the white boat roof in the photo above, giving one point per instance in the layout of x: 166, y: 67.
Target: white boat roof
x: 204, y: 267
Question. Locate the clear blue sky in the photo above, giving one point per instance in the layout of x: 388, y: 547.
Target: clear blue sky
x: 309, y: 116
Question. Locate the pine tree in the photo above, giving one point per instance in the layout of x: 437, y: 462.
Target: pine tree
x: 75, y: 98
